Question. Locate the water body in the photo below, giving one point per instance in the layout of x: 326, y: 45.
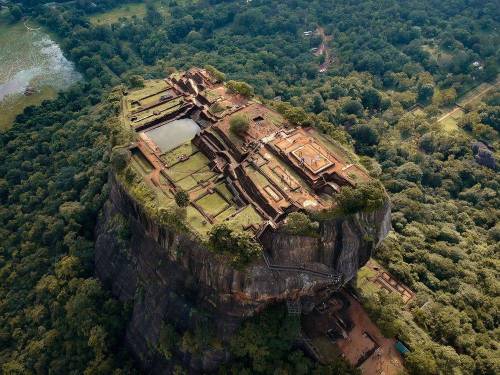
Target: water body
x: 174, y: 134
x: 30, y: 61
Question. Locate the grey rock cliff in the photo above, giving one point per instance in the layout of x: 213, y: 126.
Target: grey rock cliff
x: 171, y: 277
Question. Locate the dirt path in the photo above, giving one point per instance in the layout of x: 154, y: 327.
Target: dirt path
x: 446, y: 115
x: 323, y: 49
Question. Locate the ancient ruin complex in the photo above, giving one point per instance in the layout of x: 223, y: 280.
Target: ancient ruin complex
x: 251, y: 179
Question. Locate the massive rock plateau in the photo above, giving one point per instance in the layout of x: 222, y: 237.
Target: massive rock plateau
x: 170, y: 277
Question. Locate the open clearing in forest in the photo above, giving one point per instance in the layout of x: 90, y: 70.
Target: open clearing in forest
x: 114, y: 15
x: 125, y: 11
x: 449, y: 121
x: 441, y: 56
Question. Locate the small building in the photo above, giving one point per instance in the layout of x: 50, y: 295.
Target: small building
x: 400, y: 347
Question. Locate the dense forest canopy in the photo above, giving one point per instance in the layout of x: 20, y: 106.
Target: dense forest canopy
x: 388, y: 56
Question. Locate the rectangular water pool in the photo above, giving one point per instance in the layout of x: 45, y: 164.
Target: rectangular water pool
x: 173, y: 134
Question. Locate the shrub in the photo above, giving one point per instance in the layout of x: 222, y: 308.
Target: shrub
x: 216, y: 108
x: 174, y: 218
x: 238, y: 124
x: 240, y: 247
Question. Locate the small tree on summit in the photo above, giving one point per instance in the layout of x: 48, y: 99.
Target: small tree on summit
x: 239, y: 124
x: 238, y: 246
x: 365, y: 197
x: 217, y: 74
x: 241, y: 88
x: 182, y: 198
x: 298, y: 223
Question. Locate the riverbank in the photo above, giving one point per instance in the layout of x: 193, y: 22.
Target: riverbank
x: 32, y: 69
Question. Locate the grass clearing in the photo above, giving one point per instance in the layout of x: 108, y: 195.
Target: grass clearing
x: 257, y: 178
x: 143, y: 163
x: 122, y: 11
x: 223, y: 190
x: 363, y: 282
x: 186, y: 168
x: 165, y: 199
x: 246, y: 217
x: 173, y: 156
x: 225, y: 214
x: 127, y: 11
x: 418, y: 112
x: 204, y: 175
x: 158, y: 111
x: 187, y: 183
x: 197, y: 221
x: 439, y: 55
x: 212, y: 204
x: 334, y: 146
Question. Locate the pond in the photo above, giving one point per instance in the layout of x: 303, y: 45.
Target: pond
x: 173, y: 134
x: 32, y: 69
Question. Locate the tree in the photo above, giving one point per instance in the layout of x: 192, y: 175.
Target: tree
x: 153, y: 16
x: 371, y: 99
x: 491, y: 116
x: 365, y: 134
x: 484, y: 133
x: 240, y: 247
x: 318, y: 104
x: 410, y: 172
x: 168, y: 340
x: 242, y: 88
x: 425, y: 92
x: 298, y: 223
x: 136, y: 81
x: 353, y: 107
x: 15, y: 13
x: 296, y: 115
x: 238, y: 124
x: 364, y: 197
x: 420, y: 362
x: 445, y: 97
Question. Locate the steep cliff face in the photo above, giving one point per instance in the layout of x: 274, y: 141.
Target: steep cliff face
x: 342, y: 247
x: 171, y: 277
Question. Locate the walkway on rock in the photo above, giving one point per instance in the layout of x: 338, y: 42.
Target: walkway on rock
x: 274, y: 267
